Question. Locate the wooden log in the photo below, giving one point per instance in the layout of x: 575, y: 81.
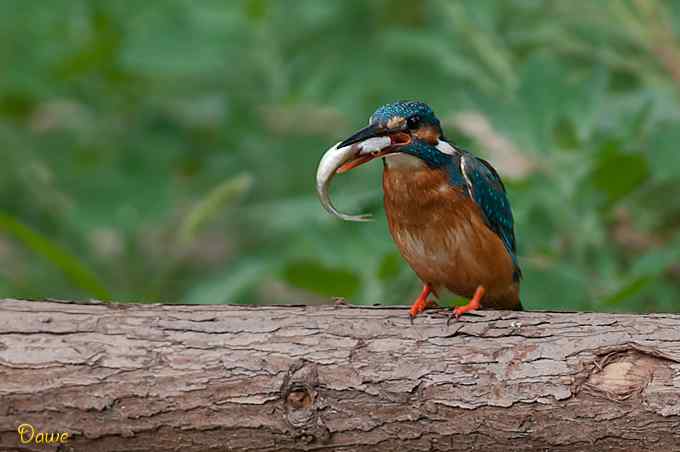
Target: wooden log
x: 124, y: 377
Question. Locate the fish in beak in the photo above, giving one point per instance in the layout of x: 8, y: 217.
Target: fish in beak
x: 372, y: 142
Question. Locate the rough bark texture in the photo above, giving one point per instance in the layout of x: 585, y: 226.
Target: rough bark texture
x: 263, y: 378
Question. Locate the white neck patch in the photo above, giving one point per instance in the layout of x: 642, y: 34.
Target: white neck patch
x: 445, y: 147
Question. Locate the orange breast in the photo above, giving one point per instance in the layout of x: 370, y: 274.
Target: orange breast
x: 441, y: 233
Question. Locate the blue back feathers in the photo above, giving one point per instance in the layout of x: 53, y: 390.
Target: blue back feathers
x: 488, y: 191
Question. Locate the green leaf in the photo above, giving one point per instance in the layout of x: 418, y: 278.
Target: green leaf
x: 226, y: 287
x: 256, y: 10
x: 389, y: 266
x: 211, y: 205
x: 566, y: 135
x: 314, y: 276
x: 648, y: 270
x: 617, y: 173
x: 629, y: 290
x: 543, y: 93
x: 75, y: 270
x: 663, y: 152
x: 540, y: 285
x: 657, y: 261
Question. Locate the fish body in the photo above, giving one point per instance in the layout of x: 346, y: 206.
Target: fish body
x: 332, y: 160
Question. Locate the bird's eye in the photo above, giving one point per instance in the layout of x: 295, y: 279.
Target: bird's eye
x: 413, y: 121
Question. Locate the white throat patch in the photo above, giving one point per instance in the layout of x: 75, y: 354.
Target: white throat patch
x: 400, y: 160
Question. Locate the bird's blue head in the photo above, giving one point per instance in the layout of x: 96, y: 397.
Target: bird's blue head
x: 412, y: 128
x: 412, y: 113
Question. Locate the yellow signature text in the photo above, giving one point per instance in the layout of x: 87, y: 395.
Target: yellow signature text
x: 29, y: 435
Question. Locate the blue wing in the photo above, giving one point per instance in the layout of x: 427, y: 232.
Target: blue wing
x: 486, y: 188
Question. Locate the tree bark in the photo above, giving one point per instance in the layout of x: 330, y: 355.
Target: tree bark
x: 124, y: 377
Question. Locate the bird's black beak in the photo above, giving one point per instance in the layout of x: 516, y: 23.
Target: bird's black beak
x: 372, y: 131
x: 396, y: 138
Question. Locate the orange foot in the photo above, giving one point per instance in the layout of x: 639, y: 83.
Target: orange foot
x: 472, y: 305
x: 421, y: 303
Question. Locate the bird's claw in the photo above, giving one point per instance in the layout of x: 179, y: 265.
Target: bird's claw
x: 419, y: 308
x: 471, y: 306
x: 454, y: 315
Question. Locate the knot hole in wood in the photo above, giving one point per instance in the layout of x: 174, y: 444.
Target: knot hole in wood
x: 301, y: 402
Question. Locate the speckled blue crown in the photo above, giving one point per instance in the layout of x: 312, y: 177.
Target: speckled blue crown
x: 404, y: 109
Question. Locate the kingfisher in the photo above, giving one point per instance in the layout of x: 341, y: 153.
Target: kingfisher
x: 447, y: 209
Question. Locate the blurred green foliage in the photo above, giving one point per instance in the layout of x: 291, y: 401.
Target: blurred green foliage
x: 167, y: 150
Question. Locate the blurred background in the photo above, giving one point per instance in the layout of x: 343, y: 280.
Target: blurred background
x: 166, y: 151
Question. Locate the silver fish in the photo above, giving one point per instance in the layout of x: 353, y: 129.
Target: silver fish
x: 332, y: 160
